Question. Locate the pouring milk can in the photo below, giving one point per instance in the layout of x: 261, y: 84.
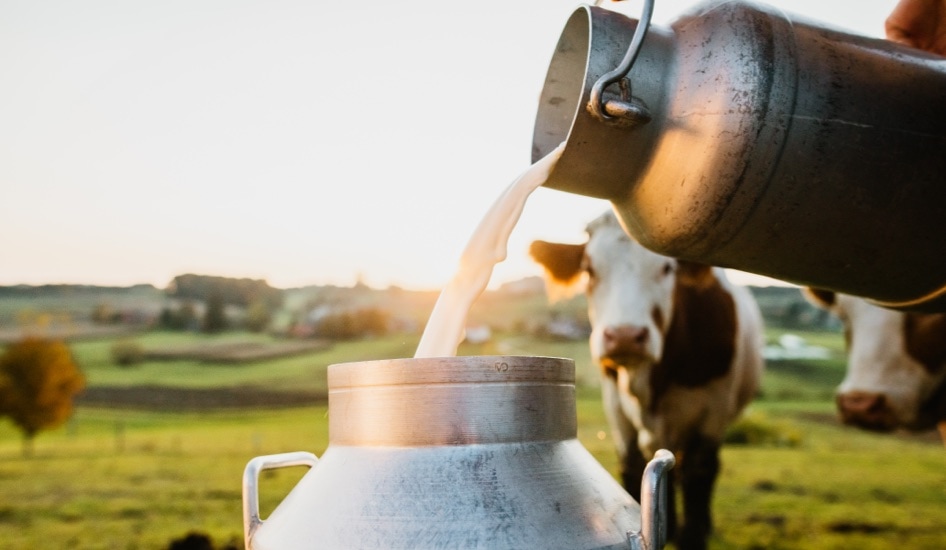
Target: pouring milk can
x: 457, y: 452
x: 745, y: 137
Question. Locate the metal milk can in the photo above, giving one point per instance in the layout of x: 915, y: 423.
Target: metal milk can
x: 457, y: 452
x: 745, y: 137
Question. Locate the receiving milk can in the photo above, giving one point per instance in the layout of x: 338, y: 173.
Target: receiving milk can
x: 745, y: 137
x: 456, y: 452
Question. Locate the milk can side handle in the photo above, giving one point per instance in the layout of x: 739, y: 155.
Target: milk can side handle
x: 653, y: 533
x: 625, y: 113
x: 251, y: 519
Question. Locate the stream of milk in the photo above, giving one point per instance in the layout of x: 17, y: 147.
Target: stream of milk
x: 486, y: 248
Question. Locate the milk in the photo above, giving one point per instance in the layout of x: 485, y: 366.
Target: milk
x: 486, y: 248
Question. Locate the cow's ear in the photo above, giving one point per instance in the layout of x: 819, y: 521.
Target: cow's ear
x: 563, y: 265
x: 562, y: 262
x: 694, y: 273
x: 820, y: 297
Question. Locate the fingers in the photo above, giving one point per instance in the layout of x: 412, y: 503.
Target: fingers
x: 918, y: 24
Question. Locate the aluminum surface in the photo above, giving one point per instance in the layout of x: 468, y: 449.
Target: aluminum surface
x: 776, y: 145
x: 465, y: 452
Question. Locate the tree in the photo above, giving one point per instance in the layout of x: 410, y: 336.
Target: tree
x: 347, y: 325
x: 258, y: 316
x: 237, y: 292
x: 215, y: 319
x: 104, y: 314
x: 38, y: 380
x: 182, y: 318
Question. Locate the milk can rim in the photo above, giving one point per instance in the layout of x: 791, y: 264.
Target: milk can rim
x: 452, y: 370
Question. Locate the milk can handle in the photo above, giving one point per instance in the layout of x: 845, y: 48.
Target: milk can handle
x: 653, y: 533
x: 596, y: 102
x: 251, y: 519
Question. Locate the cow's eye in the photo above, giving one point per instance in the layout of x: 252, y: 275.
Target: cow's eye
x: 668, y: 268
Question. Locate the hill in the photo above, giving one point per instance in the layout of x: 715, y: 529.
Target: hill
x: 507, y: 307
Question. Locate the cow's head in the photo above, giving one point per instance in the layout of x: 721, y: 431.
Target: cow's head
x: 630, y: 290
x: 896, y: 364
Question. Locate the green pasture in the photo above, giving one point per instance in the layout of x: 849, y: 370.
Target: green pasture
x: 297, y: 372
x: 128, y: 479
x: 788, y: 380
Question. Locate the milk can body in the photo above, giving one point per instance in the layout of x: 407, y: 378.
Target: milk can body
x: 464, y: 452
x: 775, y: 145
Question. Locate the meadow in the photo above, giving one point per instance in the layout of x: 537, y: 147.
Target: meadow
x: 130, y: 478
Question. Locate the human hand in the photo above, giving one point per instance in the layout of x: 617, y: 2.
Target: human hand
x: 919, y: 24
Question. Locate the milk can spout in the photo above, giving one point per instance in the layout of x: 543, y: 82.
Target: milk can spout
x: 745, y: 137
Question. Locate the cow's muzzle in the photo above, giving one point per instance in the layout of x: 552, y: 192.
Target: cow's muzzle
x: 625, y: 345
x: 867, y: 410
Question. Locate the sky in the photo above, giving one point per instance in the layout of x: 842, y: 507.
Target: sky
x: 301, y: 142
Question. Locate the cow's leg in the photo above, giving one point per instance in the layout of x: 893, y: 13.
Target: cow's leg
x: 624, y: 433
x: 698, y: 471
x: 632, y: 459
x: 632, y: 470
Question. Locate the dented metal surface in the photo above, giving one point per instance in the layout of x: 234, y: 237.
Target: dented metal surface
x: 776, y: 146
x: 459, y: 452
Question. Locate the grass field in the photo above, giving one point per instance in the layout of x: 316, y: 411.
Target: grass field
x: 297, y: 372
x: 130, y: 479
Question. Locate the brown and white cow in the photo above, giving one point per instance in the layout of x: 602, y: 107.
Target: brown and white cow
x: 680, y: 352
x: 896, y: 372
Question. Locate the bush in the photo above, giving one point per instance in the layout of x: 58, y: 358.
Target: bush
x: 199, y: 541
x: 215, y: 318
x: 103, y: 314
x: 182, y: 318
x: 192, y: 541
x: 348, y: 325
x: 127, y: 353
x: 258, y: 317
